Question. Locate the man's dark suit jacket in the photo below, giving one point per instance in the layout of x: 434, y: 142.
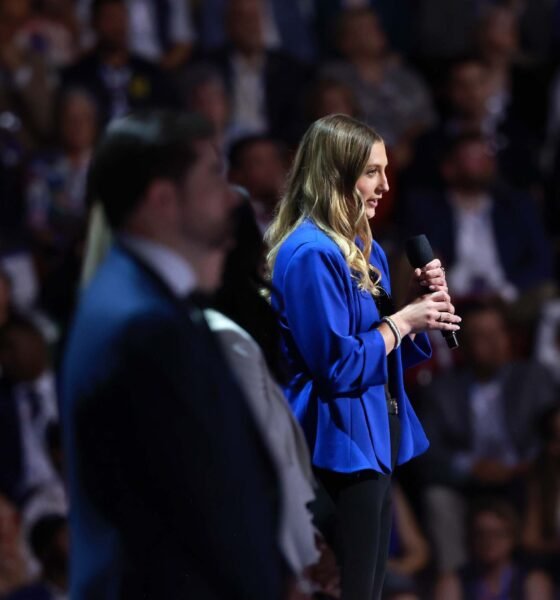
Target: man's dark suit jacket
x: 284, y: 80
x: 172, y: 496
x: 149, y: 86
x: 523, y: 248
x: 527, y: 391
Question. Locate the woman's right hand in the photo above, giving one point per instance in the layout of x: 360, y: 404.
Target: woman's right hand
x: 427, y: 313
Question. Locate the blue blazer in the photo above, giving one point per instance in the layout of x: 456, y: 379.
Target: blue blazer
x: 337, y: 357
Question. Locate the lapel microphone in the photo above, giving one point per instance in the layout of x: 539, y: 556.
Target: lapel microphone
x: 419, y: 253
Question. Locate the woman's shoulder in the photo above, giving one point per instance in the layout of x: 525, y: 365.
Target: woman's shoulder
x: 307, y: 239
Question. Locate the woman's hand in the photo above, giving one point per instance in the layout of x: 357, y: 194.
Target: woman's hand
x: 430, y: 278
x: 429, y: 312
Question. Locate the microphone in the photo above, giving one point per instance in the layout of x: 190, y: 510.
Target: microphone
x: 419, y: 253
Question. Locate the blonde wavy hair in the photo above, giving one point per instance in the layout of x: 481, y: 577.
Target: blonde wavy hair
x: 321, y: 186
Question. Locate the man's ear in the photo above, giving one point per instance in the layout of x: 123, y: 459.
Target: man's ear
x: 162, y: 198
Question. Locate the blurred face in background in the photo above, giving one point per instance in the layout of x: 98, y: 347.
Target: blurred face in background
x: 245, y: 25
x: 468, y: 90
x: 486, y: 342
x: 498, y: 34
x: 493, y: 538
x: 210, y: 100
x: 471, y: 167
x: 361, y: 35
x: 14, y: 12
x: 262, y: 171
x: 23, y: 353
x: 78, y: 125
x: 111, y: 27
x: 333, y: 98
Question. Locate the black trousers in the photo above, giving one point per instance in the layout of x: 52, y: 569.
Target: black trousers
x: 361, y: 527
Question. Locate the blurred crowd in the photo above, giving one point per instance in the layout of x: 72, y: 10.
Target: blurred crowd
x: 466, y: 95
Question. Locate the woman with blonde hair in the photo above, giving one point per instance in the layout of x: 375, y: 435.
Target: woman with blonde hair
x: 342, y: 337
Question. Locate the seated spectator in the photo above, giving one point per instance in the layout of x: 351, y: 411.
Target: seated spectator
x: 468, y: 109
x: 492, y: 571
x: 286, y: 27
x: 26, y: 83
x: 15, y: 568
x: 206, y: 94
x: 118, y: 79
x: 330, y: 97
x: 391, y: 96
x: 259, y: 164
x: 409, y: 552
x: 161, y: 32
x: 264, y: 85
x: 488, y: 235
x: 49, y: 543
x: 541, y: 528
x: 481, y: 421
x: 56, y: 182
x: 28, y: 406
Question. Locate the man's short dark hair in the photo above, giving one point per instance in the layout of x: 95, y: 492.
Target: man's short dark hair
x: 240, y: 147
x: 137, y: 149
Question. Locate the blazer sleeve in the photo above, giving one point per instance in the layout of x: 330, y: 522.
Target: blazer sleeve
x: 415, y: 351
x: 317, y: 298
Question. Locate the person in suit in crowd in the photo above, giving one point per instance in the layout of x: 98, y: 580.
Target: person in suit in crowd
x: 260, y: 82
x: 172, y: 492
x: 259, y: 163
x: 342, y: 336
x: 118, y: 79
x: 488, y: 234
x: 482, y: 423
x: 493, y: 571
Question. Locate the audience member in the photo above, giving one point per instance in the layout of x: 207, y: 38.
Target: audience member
x: 259, y: 164
x: 469, y: 110
x: 118, y: 79
x: 330, y: 97
x: 263, y: 84
x: 26, y: 83
x: 28, y: 406
x: 488, y: 235
x: 161, y: 32
x: 286, y: 27
x: 391, y: 97
x: 56, y: 180
x: 206, y: 94
x: 541, y: 528
x: 481, y: 421
x: 492, y: 570
x: 49, y: 543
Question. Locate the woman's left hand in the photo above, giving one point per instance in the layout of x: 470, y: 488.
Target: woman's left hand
x: 430, y: 278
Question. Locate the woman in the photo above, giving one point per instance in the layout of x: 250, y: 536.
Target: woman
x: 342, y: 339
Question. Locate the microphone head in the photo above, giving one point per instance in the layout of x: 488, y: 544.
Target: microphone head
x: 419, y: 251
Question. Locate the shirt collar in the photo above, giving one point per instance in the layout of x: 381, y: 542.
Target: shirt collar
x: 173, y: 269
